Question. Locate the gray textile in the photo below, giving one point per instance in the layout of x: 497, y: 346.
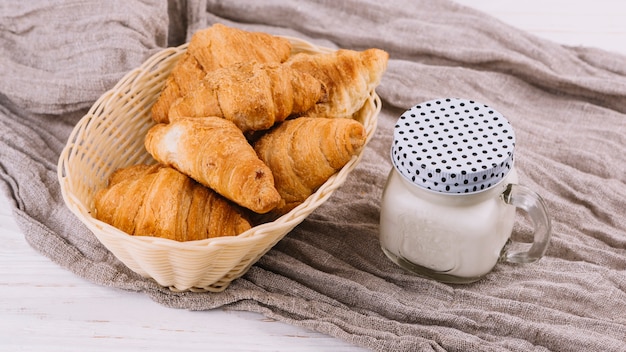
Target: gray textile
x: 567, y: 105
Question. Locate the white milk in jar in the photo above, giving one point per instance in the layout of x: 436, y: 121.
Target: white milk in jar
x: 448, y: 207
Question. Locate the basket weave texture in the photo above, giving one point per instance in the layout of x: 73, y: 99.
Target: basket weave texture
x: 111, y: 136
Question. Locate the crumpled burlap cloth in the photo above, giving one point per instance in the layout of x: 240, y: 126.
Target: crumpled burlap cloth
x: 567, y: 105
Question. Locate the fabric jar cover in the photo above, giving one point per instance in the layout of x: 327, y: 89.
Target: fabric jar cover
x: 453, y: 145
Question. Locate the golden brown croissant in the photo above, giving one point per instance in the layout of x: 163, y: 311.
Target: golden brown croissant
x: 212, y: 48
x: 214, y: 152
x: 185, y: 76
x: 155, y: 200
x: 349, y: 77
x: 220, y: 46
x: 304, y: 152
x: 253, y: 96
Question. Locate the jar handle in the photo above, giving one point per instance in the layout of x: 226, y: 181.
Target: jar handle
x: 529, y: 201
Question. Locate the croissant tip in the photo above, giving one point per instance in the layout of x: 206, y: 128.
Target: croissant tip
x: 269, y: 199
x: 357, y: 136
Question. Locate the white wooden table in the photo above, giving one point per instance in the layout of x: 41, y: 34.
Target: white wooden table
x: 46, y: 308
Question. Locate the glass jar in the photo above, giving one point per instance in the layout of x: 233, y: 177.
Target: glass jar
x: 448, y: 206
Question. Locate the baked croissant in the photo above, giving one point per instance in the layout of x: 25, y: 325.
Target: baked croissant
x: 212, y: 48
x: 220, y: 46
x: 185, y: 76
x: 304, y: 152
x: 253, y: 96
x: 349, y: 77
x: 155, y: 200
x: 214, y: 152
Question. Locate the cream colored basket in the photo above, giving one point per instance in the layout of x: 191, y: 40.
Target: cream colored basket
x: 111, y: 136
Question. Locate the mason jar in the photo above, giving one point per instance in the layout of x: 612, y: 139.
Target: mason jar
x: 449, y: 204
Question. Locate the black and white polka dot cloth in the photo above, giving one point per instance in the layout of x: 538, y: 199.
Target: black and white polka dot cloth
x: 453, y: 145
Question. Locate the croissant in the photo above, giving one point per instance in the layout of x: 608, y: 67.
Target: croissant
x: 214, y: 152
x: 155, y: 200
x: 213, y: 48
x: 253, y: 96
x: 348, y: 75
x: 304, y: 152
x: 220, y: 46
x: 185, y: 76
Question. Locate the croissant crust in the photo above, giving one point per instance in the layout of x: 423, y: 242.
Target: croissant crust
x: 349, y: 77
x: 213, y: 48
x: 254, y: 96
x: 304, y: 152
x: 214, y: 152
x: 155, y: 200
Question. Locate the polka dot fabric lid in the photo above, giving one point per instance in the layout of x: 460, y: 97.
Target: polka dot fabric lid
x: 453, y: 146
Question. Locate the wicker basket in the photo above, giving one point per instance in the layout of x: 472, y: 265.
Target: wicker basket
x: 111, y: 136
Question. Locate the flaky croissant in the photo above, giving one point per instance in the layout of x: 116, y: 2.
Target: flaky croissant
x: 348, y: 75
x: 220, y: 46
x: 155, y: 200
x: 213, y: 48
x: 253, y: 96
x: 185, y: 76
x: 214, y: 152
x: 304, y: 152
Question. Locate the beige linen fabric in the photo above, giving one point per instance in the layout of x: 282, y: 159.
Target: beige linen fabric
x: 567, y: 105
